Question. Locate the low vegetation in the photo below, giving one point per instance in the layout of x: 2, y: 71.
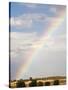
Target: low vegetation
x: 56, y: 82
x: 20, y: 83
x: 47, y: 83
x: 33, y: 83
x: 37, y: 82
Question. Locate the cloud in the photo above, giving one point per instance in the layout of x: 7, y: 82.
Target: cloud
x: 48, y: 49
x: 53, y: 64
x: 21, y: 43
x: 58, y: 43
x: 56, y: 10
x: 31, y: 6
x: 27, y: 20
x: 20, y: 23
x: 53, y: 10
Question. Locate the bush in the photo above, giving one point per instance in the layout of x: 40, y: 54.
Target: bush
x: 40, y: 84
x: 56, y: 82
x: 20, y: 83
x: 47, y: 83
x: 33, y: 83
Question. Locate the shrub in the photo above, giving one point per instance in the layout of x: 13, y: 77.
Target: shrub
x: 56, y: 82
x: 47, y: 83
x: 33, y: 83
x: 20, y: 83
x: 40, y: 84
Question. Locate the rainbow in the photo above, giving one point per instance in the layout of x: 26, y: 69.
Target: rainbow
x: 54, y: 24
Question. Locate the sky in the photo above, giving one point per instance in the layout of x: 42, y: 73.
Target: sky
x: 37, y: 40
